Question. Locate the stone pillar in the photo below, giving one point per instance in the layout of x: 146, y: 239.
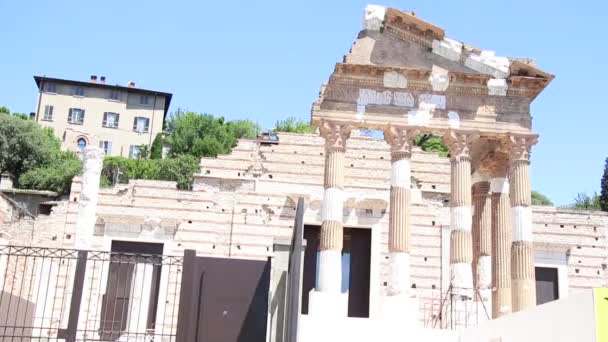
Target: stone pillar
x: 461, y: 241
x: 501, y: 247
x: 330, y: 246
x: 87, y: 203
x: 522, y: 250
x: 400, y: 139
x: 482, y: 235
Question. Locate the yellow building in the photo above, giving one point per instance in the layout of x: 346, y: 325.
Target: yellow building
x: 117, y: 118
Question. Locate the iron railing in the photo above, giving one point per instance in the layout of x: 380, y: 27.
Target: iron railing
x: 48, y: 294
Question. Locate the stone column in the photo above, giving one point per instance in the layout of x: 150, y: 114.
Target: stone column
x: 482, y: 235
x: 330, y: 246
x: 87, y: 203
x: 501, y: 247
x: 522, y: 250
x: 400, y: 140
x: 461, y: 241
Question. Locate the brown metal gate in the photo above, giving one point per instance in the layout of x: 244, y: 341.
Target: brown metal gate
x: 223, y: 300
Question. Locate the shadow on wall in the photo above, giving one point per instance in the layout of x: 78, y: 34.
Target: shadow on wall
x: 16, y: 317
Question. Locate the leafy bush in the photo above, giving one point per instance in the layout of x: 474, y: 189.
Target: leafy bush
x: 180, y: 169
x: 57, y: 176
x: 293, y: 125
x: 540, y: 199
x: 432, y: 143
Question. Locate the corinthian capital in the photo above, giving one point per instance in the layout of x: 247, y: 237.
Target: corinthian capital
x: 335, y: 134
x: 459, y: 142
x: 520, y: 145
x: 401, y: 140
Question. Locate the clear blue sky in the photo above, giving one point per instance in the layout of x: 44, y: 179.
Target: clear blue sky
x: 267, y: 60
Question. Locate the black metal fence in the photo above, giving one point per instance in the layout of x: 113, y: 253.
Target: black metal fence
x: 48, y: 294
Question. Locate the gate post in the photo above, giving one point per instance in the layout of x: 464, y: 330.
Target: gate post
x: 188, y: 306
x: 69, y: 334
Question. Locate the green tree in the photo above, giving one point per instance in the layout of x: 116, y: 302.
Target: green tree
x: 203, y: 135
x: 604, y: 189
x: 4, y: 110
x: 24, y: 145
x: 57, y: 176
x: 156, y: 151
x: 293, y: 125
x: 540, y: 199
x: 586, y: 202
x: 432, y: 143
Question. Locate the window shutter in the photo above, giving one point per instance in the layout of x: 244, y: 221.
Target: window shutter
x: 105, y: 119
x: 50, y: 112
x: 82, y: 116
x: 147, y: 125
x: 116, y: 117
x: 131, y: 151
x: 70, y: 115
x: 135, y: 123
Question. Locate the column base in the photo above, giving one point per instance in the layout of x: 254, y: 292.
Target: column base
x: 330, y: 304
x: 399, y: 276
x: 461, y: 276
x: 403, y: 308
x: 523, y: 294
x: 501, y: 302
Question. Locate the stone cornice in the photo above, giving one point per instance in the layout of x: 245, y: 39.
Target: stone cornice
x: 372, y: 76
x: 411, y: 27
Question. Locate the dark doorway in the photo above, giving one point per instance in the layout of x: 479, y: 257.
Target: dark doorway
x: 547, y: 288
x: 116, y: 302
x: 356, y: 257
x: 223, y: 300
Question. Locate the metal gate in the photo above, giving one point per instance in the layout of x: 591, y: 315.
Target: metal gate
x: 223, y: 300
x: 48, y: 294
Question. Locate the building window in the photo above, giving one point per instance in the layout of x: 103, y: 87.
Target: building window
x: 143, y: 100
x: 141, y: 124
x: 114, y: 95
x: 110, y: 120
x: 48, y: 113
x: 82, y: 143
x: 106, y: 146
x: 76, y: 116
x: 78, y: 91
x: 134, y: 151
x: 50, y: 87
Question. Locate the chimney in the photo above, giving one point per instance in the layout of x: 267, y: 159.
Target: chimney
x: 93, y: 78
x: 102, y: 80
x: 131, y: 84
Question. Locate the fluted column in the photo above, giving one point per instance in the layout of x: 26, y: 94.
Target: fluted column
x: 461, y: 241
x: 522, y: 251
x: 482, y: 234
x: 330, y: 246
x: 501, y: 247
x: 400, y: 139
